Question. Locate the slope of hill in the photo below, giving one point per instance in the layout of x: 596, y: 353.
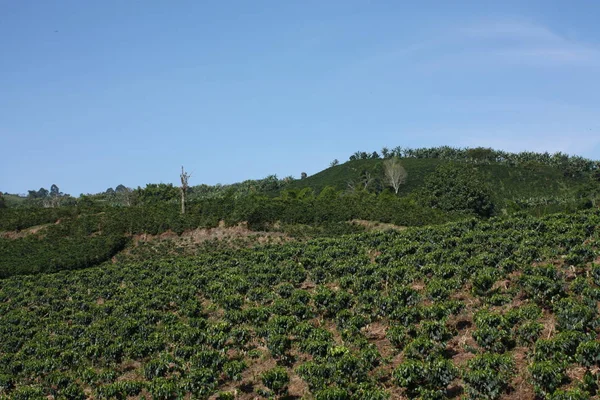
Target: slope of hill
x: 507, y: 182
x: 506, y: 309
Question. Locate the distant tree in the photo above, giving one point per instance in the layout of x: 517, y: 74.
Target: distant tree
x: 55, y: 197
x: 481, y: 154
x: 125, y: 196
x: 85, y: 201
x: 2, y: 201
x: 269, y: 184
x: 54, y: 191
x: 385, y: 152
x: 596, y: 173
x: 185, y: 176
x: 334, y: 163
x: 356, y: 156
x: 110, y: 191
x: 303, y: 175
x: 364, y: 181
x: 374, y: 155
x: 394, y: 173
x: 455, y: 187
x: 157, y: 193
x: 42, y: 193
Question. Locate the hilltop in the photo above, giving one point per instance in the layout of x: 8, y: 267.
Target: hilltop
x: 508, y: 183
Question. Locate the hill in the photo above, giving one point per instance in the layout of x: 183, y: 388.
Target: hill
x: 508, y: 182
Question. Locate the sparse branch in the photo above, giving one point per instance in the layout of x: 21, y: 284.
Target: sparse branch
x: 394, y: 173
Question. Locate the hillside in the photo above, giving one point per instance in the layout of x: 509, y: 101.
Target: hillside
x: 506, y: 309
x: 465, y: 284
x: 507, y: 182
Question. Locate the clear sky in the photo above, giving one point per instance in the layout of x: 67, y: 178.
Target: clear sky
x: 98, y: 93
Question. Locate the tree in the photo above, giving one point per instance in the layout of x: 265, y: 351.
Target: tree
x: 155, y: 193
x: 54, y: 191
x: 394, y: 173
x: 55, y: 196
x: 456, y: 187
x: 40, y: 194
x: 334, y: 163
x: 364, y: 181
x: 124, y: 195
x: 2, y: 201
x: 184, y: 187
x: 385, y: 152
x: 303, y: 175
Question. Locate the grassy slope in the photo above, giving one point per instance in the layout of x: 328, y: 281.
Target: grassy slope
x: 507, y: 182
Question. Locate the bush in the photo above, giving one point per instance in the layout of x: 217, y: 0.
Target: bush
x: 488, y: 376
x: 588, y: 354
x: 529, y: 332
x: 419, y: 377
x: 571, y: 394
x: 573, y: 315
x: 276, y: 379
x: 454, y: 187
x: 546, y: 376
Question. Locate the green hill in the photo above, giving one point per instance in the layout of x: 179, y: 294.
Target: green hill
x: 519, y: 182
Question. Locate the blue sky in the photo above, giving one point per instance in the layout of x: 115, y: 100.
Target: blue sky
x: 98, y: 93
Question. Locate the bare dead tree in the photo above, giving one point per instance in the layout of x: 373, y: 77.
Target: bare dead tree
x: 366, y: 179
x: 184, y: 186
x: 361, y: 183
x: 394, y: 173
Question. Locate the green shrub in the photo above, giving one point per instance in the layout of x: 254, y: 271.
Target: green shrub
x: 573, y: 315
x: 332, y: 393
x: 588, y: 353
x: 571, y: 394
x: 546, y: 376
x: 528, y: 332
x: 416, y: 376
x: 596, y: 274
x: 488, y: 376
x: 276, y: 379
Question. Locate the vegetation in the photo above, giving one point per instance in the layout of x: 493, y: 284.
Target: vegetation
x: 482, y: 282
x: 484, y: 308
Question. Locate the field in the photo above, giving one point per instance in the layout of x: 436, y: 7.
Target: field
x: 504, y: 308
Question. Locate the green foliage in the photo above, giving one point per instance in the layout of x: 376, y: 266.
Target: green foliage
x: 190, y: 326
x: 544, y: 284
x: 32, y: 255
x: 571, y: 394
x: 596, y: 274
x: 588, y: 353
x: 493, y: 332
x: 425, y: 377
x: 529, y: 332
x: 276, y: 379
x: 574, y: 315
x: 458, y: 188
x: 546, y: 376
x: 488, y: 376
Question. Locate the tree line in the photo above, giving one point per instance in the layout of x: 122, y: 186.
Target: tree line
x: 571, y: 165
